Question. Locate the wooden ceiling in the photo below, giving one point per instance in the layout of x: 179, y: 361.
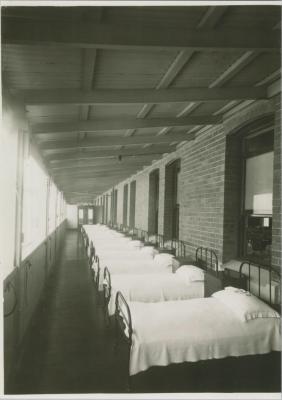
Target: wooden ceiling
x: 104, y: 82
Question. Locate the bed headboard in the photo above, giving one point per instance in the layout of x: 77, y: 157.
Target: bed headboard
x: 206, y: 259
x: 266, y: 291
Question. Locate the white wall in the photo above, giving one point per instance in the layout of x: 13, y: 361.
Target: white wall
x: 71, y: 216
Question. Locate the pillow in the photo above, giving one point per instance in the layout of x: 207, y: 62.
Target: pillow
x: 190, y: 273
x: 244, y: 305
x: 163, y: 260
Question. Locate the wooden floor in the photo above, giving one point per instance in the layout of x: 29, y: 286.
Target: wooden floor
x: 70, y: 350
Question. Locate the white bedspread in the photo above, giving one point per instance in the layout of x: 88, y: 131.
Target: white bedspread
x: 193, y: 330
x: 152, y: 288
x: 136, y: 266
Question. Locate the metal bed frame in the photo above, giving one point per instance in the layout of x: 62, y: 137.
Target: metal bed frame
x: 273, y: 276
x: 96, y: 274
x: 123, y: 318
x: 205, y: 258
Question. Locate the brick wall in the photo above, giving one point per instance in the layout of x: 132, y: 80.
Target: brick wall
x: 209, y: 186
x: 201, y: 194
x: 276, y: 220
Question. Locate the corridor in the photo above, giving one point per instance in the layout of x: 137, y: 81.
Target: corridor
x: 69, y: 348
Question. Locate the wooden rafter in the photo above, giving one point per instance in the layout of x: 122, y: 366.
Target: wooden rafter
x: 138, y: 96
x: 108, y: 36
x: 110, y: 153
x: 116, y: 141
x: 100, y: 125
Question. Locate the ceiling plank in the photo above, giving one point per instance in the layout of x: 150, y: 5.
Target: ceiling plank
x: 116, y: 141
x: 110, y: 153
x: 119, y: 124
x: 87, y: 34
x: 137, y: 96
x: 61, y: 164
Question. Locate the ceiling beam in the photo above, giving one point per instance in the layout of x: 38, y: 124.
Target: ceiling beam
x: 116, y: 141
x: 110, y: 153
x: 107, y: 36
x: 100, y: 125
x: 91, y: 175
x: 114, y: 166
x: 81, y: 171
x: 60, y: 164
x: 137, y: 96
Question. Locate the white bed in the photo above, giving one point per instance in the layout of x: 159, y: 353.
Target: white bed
x: 154, y: 287
x: 193, y: 330
x: 160, y: 264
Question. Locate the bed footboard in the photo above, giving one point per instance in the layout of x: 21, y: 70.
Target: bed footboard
x: 107, y: 291
x: 95, y: 269
x: 207, y: 259
x: 273, y: 281
x: 123, y: 329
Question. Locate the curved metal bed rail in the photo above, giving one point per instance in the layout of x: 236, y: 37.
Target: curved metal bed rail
x: 96, y: 273
x: 206, y: 258
x: 9, y: 285
x: 273, y: 276
x: 123, y: 319
x: 107, y: 287
x: 91, y: 254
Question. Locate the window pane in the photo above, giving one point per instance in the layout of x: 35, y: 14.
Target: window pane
x: 259, y: 182
x: 52, y: 208
x: 34, y: 206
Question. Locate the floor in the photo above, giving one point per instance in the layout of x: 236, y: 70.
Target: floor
x: 70, y: 349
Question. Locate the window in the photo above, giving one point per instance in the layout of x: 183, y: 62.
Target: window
x: 34, y: 206
x: 90, y: 215
x: 52, y: 206
x: 258, y: 187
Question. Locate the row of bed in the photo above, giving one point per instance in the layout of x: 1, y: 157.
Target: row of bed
x: 171, y: 330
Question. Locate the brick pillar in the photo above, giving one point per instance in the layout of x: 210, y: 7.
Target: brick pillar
x: 232, y: 198
x: 276, y: 219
